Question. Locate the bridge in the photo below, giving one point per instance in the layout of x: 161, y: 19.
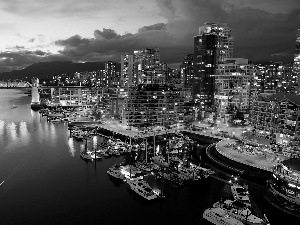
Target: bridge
x: 14, y: 84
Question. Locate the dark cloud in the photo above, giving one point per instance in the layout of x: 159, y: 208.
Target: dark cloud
x: 157, y: 26
x: 259, y: 34
x: 22, y: 58
x: 106, y: 34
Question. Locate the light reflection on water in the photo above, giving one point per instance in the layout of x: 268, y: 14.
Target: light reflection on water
x: 72, y: 149
x: 49, y: 181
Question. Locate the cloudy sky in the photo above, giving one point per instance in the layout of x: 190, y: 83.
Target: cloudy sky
x: 101, y: 30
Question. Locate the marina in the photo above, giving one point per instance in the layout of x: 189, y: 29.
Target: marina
x: 59, y: 159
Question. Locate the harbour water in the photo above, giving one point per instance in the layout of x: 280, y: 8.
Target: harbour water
x: 46, y: 181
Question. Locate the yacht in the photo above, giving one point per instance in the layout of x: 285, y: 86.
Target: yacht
x: 219, y: 216
x: 142, y: 188
x: 189, y: 173
x: 55, y: 120
x: 158, y: 192
x: 169, y: 179
x: 241, y: 212
x: 131, y: 172
x: 114, y: 172
x: 89, y: 155
x: 78, y: 134
x: 240, y: 193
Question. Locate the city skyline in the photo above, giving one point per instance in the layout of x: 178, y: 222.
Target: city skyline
x: 38, y: 31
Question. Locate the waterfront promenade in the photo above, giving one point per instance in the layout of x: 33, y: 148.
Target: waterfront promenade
x: 241, y: 146
x: 234, y: 146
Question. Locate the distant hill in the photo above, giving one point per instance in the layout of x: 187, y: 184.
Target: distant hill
x: 46, y: 69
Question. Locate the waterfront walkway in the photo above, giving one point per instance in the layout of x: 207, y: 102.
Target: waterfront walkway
x: 241, y: 146
x: 234, y: 147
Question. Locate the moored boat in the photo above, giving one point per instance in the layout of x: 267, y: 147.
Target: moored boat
x: 219, y: 216
x: 114, y: 172
x: 241, y: 212
x: 142, y: 188
x: 240, y: 193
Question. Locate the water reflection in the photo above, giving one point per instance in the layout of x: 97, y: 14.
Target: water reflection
x: 53, y: 137
x: 2, y: 124
x: 12, y: 132
x: 24, y: 134
x: 72, y: 149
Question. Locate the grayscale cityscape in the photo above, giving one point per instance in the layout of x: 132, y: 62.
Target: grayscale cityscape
x: 177, y: 112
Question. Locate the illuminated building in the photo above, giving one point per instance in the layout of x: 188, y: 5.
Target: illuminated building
x: 211, y: 46
x: 147, y: 66
x: 233, y: 86
x: 296, y: 66
x: 110, y: 74
x: 284, y: 186
x: 186, y: 70
x: 154, y: 105
x: 127, y: 73
x: 275, y: 117
x: 74, y: 96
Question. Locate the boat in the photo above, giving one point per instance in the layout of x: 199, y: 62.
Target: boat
x: 78, y: 134
x: 219, y: 216
x: 131, y: 172
x: 169, y: 179
x: 189, y: 173
x: 55, y: 120
x: 89, y: 155
x: 159, y: 193
x: 141, y: 188
x: 14, y: 106
x: 114, y: 172
x: 159, y: 160
x: 240, y: 193
x: 206, y: 172
x: 240, y: 211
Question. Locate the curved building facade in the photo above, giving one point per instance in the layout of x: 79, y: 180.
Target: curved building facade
x: 284, y: 186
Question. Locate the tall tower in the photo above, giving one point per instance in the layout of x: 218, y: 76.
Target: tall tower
x: 186, y: 70
x: 211, y: 46
x: 127, y: 77
x: 110, y: 72
x: 296, y: 66
x: 145, y: 62
x: 35, y: 96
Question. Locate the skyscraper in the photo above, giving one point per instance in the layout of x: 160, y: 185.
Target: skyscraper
x: 145, y: 63
x: 211, y: 46
x: 186, y: 70
x: 110, y: 73
x: 296, y: 66
x: 127, y: 76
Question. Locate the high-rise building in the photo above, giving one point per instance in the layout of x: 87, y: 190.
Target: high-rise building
x: 233, y: 87
x: 145, y: 63
x: 186, y: 70
x: 211, y: 46
x: 127, y: 73
x: 110, y: 74
x: 154, y: 105
x: 296, y: 66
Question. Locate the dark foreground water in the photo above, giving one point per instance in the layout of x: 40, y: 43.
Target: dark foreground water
x: 46, y: 181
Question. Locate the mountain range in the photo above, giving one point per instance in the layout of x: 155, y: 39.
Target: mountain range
x: 44, y: 70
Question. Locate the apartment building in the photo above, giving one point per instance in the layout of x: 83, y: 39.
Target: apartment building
x: 74, y: 96
x: 276, y: 117
x: 233, y: 86
x: 154, y: 105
